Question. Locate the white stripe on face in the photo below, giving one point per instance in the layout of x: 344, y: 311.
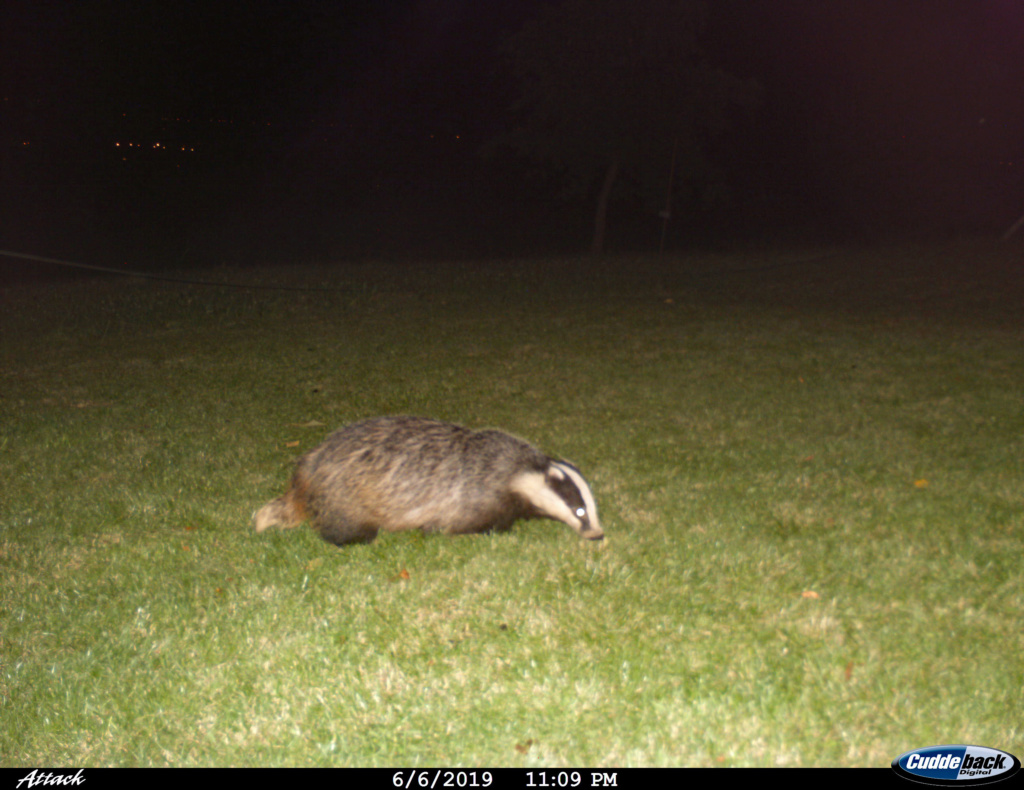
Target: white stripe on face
x: 534, y: 487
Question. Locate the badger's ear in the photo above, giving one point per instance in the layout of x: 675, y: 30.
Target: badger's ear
x: 554, y: 474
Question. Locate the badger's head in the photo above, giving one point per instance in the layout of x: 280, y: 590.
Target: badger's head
x: 558, y: 491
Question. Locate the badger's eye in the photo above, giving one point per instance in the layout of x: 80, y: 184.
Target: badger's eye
x: 581, y: 512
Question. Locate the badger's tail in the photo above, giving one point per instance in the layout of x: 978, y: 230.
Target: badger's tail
x: 286, y: 511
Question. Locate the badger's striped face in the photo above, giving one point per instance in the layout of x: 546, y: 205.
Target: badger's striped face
x: 561, y: 493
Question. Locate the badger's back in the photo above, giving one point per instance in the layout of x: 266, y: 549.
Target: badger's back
x: 399, y: 473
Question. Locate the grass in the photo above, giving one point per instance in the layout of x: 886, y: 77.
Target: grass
x: 809, y: 470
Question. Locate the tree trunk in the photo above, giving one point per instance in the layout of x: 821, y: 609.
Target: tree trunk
x: 601, y: 217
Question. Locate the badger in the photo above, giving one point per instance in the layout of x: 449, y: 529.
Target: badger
x: 403, y: 473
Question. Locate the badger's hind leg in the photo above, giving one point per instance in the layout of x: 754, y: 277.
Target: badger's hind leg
x: 339, y: 532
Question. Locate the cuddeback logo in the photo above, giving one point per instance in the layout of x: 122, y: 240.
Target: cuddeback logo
x: 956, y: 765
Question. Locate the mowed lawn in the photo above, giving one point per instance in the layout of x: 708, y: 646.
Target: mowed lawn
x: 809, y: 466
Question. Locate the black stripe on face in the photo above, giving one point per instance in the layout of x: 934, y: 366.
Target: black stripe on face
x: 590, y: 525
x: 568, y: 492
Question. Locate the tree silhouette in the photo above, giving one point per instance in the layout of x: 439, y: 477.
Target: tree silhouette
x: 617, y: 87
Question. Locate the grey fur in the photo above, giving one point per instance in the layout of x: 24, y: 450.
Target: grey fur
x: 398, y: 473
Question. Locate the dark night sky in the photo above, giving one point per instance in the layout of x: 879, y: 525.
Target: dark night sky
x: 352, y: 128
